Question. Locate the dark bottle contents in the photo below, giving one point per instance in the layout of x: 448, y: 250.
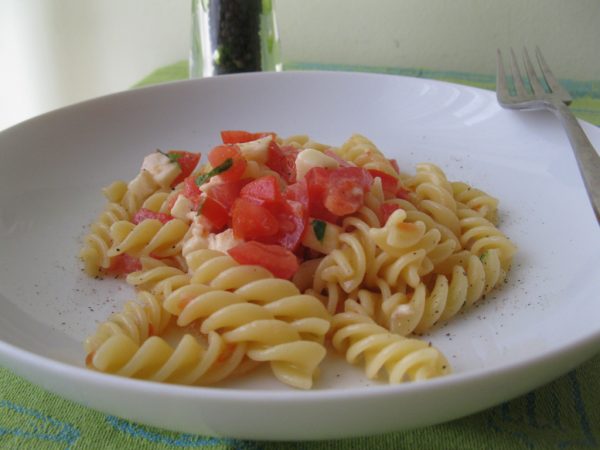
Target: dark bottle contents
x: 236, y: 30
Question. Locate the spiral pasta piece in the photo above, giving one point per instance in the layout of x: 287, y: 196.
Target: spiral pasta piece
x: 189, y: 362
x: 149, y: 237
x: 434, y: 196
x: 160, y: 201
x: 95, y: 253
x: 403, y: 359
x: 480, y: 235
x: 477, y: 200
x: 362, y: 152
x: 466, y: 280
x: 157, y: 277
x: 138, y: 320
x: 241, y: 322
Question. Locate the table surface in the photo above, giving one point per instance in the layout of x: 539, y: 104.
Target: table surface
x: 561, y: 414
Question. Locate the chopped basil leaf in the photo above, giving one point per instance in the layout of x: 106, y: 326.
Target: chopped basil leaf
x: 319, y: 229
x: 173, y: 157
x: 225, y: 165
x: 483, y: 256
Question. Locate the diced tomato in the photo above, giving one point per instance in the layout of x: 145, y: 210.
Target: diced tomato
x: 389, y: 183
x: 386, y: 211
x: 394, y: 164
x: 144, y: 214
x: 283, y: 161
x: 317, y: 184
x: 263, y: 190
x: 338, y: 191
x: 220, y: 154
x: 215, y: 212
x: 279, y: 261
x: 187, y: 163
x: 240, y: 136
x: 191, y: 191
x: 227, y: 191
x: 251, y: 221
x: 124, y: 264
x: 292, y: 217
x: 298, y: 192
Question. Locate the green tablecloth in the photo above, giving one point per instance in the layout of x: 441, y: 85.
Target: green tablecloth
x: 562, y: 414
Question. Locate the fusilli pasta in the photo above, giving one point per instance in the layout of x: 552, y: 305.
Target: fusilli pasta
x: 280, y: 249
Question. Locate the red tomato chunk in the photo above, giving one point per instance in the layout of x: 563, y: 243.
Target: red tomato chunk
x: 279, y: 261
x: 187, y: 163
x: 220, y: 154
x: 283, y: 161
x: 217, y: 214
x: 264, y: 190
x: 240, y: 136
x: 251, y: 221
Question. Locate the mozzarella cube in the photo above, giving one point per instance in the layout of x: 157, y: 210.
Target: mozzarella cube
x: 162, y: 169
x: 223, y: 241
x: 257, y: 150
x: 181, y: 208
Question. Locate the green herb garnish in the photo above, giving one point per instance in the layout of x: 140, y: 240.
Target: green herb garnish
x: 225, y: 165
x: 173, y: 157
x: 319, y: 229
x: 483, y: 256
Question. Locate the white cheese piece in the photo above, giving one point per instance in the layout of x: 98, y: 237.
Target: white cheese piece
x: 181, y: 208
x: 309, y: 158
x: 257, y: 150
x: 142, y: 186
x: 162, y: 169
x: 223, y: 241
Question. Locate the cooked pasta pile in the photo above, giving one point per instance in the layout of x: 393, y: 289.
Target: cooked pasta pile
x: 280, y: 250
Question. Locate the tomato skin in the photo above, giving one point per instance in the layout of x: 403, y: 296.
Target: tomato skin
x: 346, y: 190
x: 187, y: 163
x: 334, y: 193
x: 317, y: 181
x: 144, y: 214
x: 215, y: 212
x: 283, y: 161
x: 264, y: 190
x: 251, y: 221
x: 226, y: 192
x: 386, y: 211
x: 298, y: 192
x: 124, y: 264
x: 394, y: 164
x: 240, y: 136
x: 220, y: 154
x: 292, y: 217
x: 389, y: 183
x: 280, y: 262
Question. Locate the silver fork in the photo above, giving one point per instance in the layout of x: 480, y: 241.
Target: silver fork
x: 554, y: 97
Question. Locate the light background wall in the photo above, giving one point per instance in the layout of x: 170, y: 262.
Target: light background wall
x: 57, y: 52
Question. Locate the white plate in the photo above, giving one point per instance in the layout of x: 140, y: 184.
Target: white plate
x: 539, y: 325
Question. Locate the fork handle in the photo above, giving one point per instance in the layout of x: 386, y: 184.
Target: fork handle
x: 585, y: 154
